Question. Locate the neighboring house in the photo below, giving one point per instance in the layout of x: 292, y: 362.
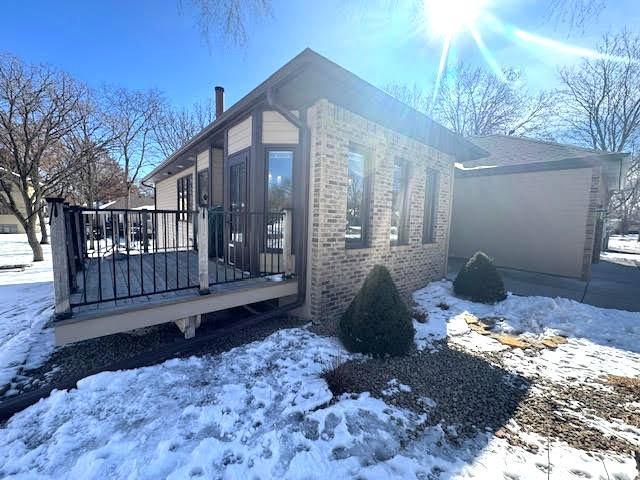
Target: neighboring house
x: 363, y: 180
x: 8, y: 221
x: 136, y: 202
x: 534, y: 205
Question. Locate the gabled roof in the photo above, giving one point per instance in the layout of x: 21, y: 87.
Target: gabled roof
x: 511, y: 150
x: 308, y: 77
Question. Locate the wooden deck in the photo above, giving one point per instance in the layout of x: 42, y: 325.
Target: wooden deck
x: 123, y: 318
x: 112, y: 281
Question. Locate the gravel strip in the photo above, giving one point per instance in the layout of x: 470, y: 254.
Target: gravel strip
x: 470, y: 394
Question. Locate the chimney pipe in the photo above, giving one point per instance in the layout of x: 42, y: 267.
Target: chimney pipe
x: 219, y: 101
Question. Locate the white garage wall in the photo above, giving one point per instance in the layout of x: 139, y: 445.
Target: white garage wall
x: 533, y: 221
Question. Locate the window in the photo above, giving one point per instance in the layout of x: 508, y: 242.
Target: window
x: 8, y: 228
x: 279, y: 195
x: 185, y: 196
x: 203, y: 188
x: 399, y: 232
x: 279, y: 180
x: 430, y: 206
x: 358, y: 190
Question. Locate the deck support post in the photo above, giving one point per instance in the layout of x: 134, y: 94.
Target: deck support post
x: 59, y: 257
x: 287, y: 217
x: 203, y: 249
x: 188, y: 325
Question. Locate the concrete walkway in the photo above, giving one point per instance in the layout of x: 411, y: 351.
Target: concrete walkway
x: 615, y: 283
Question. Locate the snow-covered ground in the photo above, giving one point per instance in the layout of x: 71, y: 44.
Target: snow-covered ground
x: 258, y: 411
x: 263, y: 411
x: 26, y: 305
x: 625, y: 243
x: 600, y: 341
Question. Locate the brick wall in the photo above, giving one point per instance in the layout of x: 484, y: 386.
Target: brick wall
x: 336, y: 273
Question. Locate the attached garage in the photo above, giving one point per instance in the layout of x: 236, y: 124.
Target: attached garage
x: 541, y: 216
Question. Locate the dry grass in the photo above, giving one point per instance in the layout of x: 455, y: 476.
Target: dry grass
x: 338, y: 377
x: 625, y: 384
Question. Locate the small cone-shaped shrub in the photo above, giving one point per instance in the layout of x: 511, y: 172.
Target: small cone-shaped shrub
x: 479, y: 280
x: 378, y: 322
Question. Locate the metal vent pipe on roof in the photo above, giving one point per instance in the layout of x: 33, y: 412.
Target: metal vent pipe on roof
x: 219, y: 100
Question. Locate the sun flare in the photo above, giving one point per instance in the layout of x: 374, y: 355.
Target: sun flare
x: 446, y: 18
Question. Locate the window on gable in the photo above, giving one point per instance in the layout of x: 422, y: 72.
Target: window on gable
x: 358, y: 192
x: 430, y: 206
x: 399, y: 232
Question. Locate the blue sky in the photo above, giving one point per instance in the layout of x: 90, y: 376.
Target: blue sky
x: 155, y: 44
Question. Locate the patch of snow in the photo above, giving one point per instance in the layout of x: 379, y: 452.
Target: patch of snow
x: 26, y: 305
x: 499, y: 459
x: 626, y: 259
x: 394, y: 387
x: 600, y: 341
x: 625, y: 244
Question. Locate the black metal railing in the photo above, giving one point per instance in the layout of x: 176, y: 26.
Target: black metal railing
x: 244, y: 245
x: 123, y: 254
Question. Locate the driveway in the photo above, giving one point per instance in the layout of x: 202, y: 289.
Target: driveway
x: 615, y: 282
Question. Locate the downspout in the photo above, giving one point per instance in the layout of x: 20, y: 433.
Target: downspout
x: 450, y: 218
x: 155, y: 197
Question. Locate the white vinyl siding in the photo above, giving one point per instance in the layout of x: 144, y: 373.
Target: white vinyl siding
x: 278, y: 130
x: 239, y: 136
x: 533, y: 221
x: 202, y: 160
x: 167, y: 199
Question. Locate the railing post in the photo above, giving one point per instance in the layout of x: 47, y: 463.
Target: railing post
x: 287, y: 217
x: 59, y: 258
x: 144, y: 228
x: 203, y: 250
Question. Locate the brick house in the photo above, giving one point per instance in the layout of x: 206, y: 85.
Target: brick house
x: 363, y: 180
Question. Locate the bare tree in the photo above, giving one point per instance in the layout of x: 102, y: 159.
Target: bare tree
x: 226, y: 20
x: 37, y: 110
x: 174, y: 127
x: 475, y: 101
x: 90, y: 143
x: 625, y: 203
x: 133, y: 115
x: 412, y: 95
x: 574, y: 14
x: 601, y: 99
